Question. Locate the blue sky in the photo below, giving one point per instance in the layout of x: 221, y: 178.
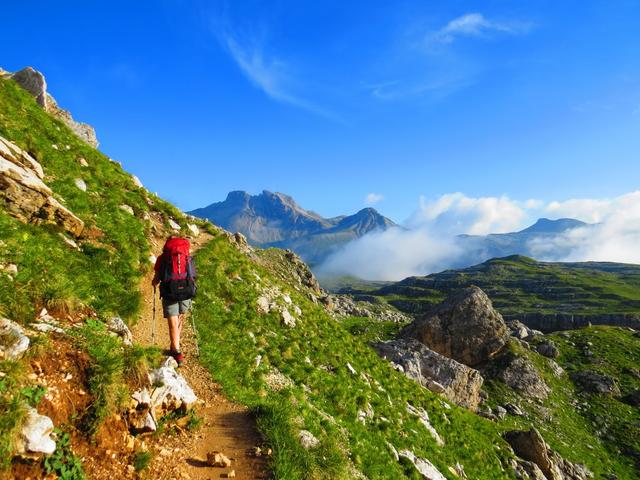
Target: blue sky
x: 333, y: 101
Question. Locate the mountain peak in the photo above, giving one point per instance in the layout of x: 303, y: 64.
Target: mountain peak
x: 546, y: 225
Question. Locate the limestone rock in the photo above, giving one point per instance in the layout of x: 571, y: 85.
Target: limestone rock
x: 193, y: 228
x: 117, y: 326
x: 464, y: 327
x: 81, y: 184
x: 171, y: 391
x: 13, y: 341
x: 423, y: 416
x: 35, y: 435
x: 459, y: 383
x: 593, y: 382
x: 25, y: 196
x: 218, y: 459
x: 424, y: 467
x: 519, y: 373
x: 288, y: 319
x: 174, y: 225
x: 136, y: 181
x: 530, y: 446
x: 126, y: 208
x: 548, y: 349
x: 308, y: 439
x: 33, y: 82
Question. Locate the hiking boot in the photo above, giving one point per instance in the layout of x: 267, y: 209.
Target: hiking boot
x: 178, y: 357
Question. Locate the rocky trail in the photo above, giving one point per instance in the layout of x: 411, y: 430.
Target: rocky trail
x: 224, y: 426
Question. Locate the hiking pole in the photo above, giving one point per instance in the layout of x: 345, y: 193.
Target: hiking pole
x: 195, y: 331
x: 153, y: 321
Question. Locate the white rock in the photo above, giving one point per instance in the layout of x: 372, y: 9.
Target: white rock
x: 136, y: 181
x: 193, y: 229
x: 35, y: 437
x: 13, y: 341
x: 287, y: 299
x: 153, y: 259
x: 69, y: 241
x: 423, y: 416
x: 142, y: 398
x: 46, y: 327
x: 262, y: 305
x: 351, y: 369
x: 394, y: 452
x: 80, y: 183
x: 257, y: 361
x: 288, y: 319
x: 117, y: 326
x: 174, y: 226
x: 297, y: 310
x: 425, y: 467
x: 169, y: 362
x: 54, y: 146
x: 307, y: 439
x: 171, y: 392
x: 126, y: 208
x: 83, y: 162
x: 11, y: 269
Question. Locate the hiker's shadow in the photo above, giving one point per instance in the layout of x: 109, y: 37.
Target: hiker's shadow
x: 195, y: 462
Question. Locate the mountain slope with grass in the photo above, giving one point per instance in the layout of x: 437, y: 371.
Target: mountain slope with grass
x: 545, y: 295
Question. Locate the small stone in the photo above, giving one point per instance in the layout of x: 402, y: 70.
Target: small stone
x: 83, y: 162
x: 174, y: 225
x: 229, y: 474
x: 136, y: 181
x: 218, y: 459
x: 308, y: 439
x: 195, y: 231
x: 288, y: 319
x: 80, y: 183
x: 126, y: 208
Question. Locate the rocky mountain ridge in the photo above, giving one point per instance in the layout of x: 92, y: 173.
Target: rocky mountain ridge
x: 276, y: 220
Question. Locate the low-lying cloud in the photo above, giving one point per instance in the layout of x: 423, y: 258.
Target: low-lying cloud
x: 431, y: 242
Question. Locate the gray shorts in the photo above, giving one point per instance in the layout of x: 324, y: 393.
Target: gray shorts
x: 173, y: 309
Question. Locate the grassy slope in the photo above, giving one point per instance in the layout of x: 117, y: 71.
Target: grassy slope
x: 597, y: 430
x: 102, y: 276
x: 325, y: 397
x: 518, y: 284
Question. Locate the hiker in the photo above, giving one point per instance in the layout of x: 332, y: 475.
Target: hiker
x: 175, y: 271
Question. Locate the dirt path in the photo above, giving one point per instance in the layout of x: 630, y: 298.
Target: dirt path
x: 225, y: 427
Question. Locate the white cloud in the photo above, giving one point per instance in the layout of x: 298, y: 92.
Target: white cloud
x: 391, y: 255
x: 373, y: 198
x: 591, y: 210
x: 475, y: 25
x: 455, y: 213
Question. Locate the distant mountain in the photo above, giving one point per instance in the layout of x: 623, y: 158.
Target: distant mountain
x: 276, y: 220
x: 532, y: 242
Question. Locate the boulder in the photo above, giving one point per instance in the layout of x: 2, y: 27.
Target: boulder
x: 171, y: 391
x: 33, y: 82
x: 459, y: 383
x: 35, y: 436
x: 24, y: 194
x: 465, y: 327
x: 548, y: 349
x: 530, y: 446
x: 13, y: 341
x: 593, y: 382
x: 117, y: 326
x: 519, y: 373
x: 423, y: 466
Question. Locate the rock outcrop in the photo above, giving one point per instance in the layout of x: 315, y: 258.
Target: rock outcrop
x: 34, y: 82
x: 594, y: 382
x: 25, y: 195
x: 440, y: 374
x: 464, y: 327
x: 35, y: 436
x: 530, y: 446
x: 426, y: 469
x: 519, y: 373
x: 13, y: 341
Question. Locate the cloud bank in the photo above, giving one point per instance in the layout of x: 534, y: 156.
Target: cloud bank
x: 431, y: 242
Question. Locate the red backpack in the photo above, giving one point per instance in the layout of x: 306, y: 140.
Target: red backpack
x: 178, y: 272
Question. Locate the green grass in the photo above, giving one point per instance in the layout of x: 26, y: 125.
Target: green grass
x: 597, y: 430
x: 325, y: 397
x: 518, y: 285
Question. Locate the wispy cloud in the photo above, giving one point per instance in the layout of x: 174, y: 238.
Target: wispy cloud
x: 373, y: 198
x: 475, y: 25
x: 271, y: 74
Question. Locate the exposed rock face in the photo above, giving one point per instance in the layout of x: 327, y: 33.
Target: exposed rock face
x: 464, y: 327
x: 440, y: 374
x: 308, y: 439
x: 548, y: 349
x: 13, y: 341
x: 25, y: 195
x: 520, y: 374
x: 593, y: 382
x: 346, y: 306
x: 119, y: 328
x: 34, y: 82
x: 530, y: 446
x: 35, y: 436
x: 424, y: 466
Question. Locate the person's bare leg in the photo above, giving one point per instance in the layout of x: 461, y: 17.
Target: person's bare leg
x: 180, y: 325
x: 175, y: 326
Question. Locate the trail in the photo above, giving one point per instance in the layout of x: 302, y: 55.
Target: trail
x: 226, y: 426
